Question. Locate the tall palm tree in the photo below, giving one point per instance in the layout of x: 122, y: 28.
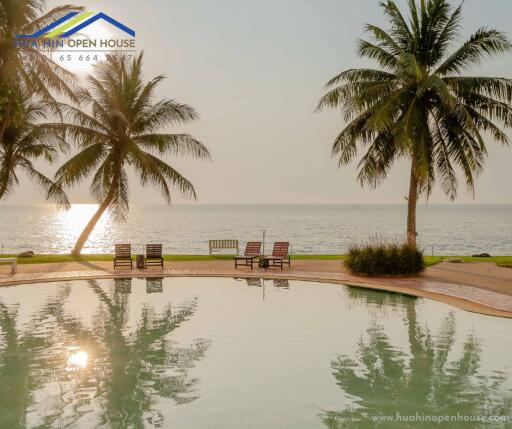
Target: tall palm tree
x: 418, y: 104
x: 31, y: 70
x: 121, y: 131
x: 27, y: 139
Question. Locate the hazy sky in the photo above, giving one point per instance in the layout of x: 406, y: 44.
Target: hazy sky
x: 255, y: 71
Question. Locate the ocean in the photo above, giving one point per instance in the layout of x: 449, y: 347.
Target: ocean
x: 321, y: 229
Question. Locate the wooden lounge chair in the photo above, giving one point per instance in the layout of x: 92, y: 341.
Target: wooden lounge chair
x: 279, y: 255
x: 252, y: 251
x: 123, y: 256
x: 154, y: 257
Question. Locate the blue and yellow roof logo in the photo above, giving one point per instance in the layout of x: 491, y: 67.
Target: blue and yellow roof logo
x: 72, y: 23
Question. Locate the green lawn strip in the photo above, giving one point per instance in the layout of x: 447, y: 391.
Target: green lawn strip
x: 505, y: 264
x: 499, y: 260
x: 432, y: 260
x: 56, y: 258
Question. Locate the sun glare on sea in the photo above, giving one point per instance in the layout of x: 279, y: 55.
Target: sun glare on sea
x: 65, y: 226
x: 77, y: 216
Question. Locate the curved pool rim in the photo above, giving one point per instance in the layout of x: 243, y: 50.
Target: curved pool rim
x: 463, y: 304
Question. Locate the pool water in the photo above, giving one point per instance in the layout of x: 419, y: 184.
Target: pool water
x: 246, y: 353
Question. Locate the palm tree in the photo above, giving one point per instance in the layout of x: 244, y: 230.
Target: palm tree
x: 121, y: 131
x: 30, y: 70
x: 25, y: 140
x: 419, y: 105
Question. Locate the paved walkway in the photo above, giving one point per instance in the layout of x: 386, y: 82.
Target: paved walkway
x: 478, y: 286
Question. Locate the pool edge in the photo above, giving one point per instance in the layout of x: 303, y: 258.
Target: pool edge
x: 463, y: 304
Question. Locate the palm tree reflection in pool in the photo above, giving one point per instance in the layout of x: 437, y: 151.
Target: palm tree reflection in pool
x: 383, y: 381
x: 125, y: 371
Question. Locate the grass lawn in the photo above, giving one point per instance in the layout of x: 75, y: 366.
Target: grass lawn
x: 55, y: 258
x: 500, y: 260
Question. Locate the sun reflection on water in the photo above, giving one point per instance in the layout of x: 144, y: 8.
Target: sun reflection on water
x: 77, y: 360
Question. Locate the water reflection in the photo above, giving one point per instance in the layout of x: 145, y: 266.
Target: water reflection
x: 154, y: 285
x: 251, y: 281
x: 281, y: 283
x: 59, y: 370
x: 123, y: 286
x: 433, y: 379
x: 260, y: 282
x: 77, y: 359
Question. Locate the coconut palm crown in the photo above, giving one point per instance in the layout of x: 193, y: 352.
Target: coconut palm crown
x: 120, y: 131
x: 419, y: 104
x: 25, y: 69
x: 27, y: 139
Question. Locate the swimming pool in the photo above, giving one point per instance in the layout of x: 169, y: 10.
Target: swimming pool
x: 245, y: 353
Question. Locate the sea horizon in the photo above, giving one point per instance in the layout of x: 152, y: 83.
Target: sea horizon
x: 7, y: 204
x: 443, y: 229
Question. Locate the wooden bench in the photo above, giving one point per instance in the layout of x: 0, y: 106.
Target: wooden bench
x: 12, y: 261
x: 223, y: 245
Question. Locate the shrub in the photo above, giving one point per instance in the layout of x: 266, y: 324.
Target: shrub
x: 378, y: 258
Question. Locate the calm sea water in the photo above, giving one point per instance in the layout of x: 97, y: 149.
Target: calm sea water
x: 450, y: 229
x: 202, y: 353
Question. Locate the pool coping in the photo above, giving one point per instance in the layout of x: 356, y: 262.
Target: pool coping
x: 458, y: 295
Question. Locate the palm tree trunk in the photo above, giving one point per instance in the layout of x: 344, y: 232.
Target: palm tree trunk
x: 411, y: 206
x: 3, y: 188
x: 84, y: 236
x: 5, y: 121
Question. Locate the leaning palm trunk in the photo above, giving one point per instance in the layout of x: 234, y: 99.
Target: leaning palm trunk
x: 84, y: 236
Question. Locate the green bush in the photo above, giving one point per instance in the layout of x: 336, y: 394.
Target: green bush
x: 379, y: 258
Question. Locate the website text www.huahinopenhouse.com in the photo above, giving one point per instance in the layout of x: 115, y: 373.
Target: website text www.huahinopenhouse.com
x: 442, y: 418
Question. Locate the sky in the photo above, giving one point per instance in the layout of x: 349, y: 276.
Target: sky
x: 255, y: 72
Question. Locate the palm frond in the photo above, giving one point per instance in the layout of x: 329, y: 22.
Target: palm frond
x: 53, y: 191
x: 485, y: 42
x: 120, y: 205
x: 173, y: 177
x: 375, y: 52
x: 173, y: 144
x: 80, y: 166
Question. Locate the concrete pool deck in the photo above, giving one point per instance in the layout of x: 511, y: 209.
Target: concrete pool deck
x: 481, y: 287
